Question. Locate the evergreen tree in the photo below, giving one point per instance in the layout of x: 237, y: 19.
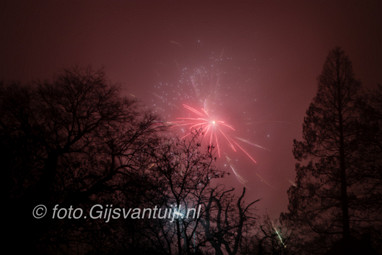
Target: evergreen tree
x: 323, y: 205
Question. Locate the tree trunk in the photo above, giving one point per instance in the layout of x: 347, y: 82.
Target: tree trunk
x: 344, y: 195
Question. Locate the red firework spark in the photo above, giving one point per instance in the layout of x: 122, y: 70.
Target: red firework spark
x: 214, y: 130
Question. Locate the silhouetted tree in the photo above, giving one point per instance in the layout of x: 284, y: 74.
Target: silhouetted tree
x: 186, y: 176
x: 182, y: 172
x: 227, y: 220
x: 68, y: 142
x: 325, y: 202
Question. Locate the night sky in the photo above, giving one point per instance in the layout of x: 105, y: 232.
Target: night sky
x: 252, y: 64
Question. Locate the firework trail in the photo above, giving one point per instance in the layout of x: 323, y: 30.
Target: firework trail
x: 278, y: 234
x: 238, y: 176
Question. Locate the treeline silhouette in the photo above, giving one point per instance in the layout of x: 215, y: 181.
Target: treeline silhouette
x: 76, y: 141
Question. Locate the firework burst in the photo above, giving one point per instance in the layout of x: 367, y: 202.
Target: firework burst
x: 214, y: 130
x: 211, y: 86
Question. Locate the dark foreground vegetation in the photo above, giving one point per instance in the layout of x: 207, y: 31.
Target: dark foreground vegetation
x: 75, y: 141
